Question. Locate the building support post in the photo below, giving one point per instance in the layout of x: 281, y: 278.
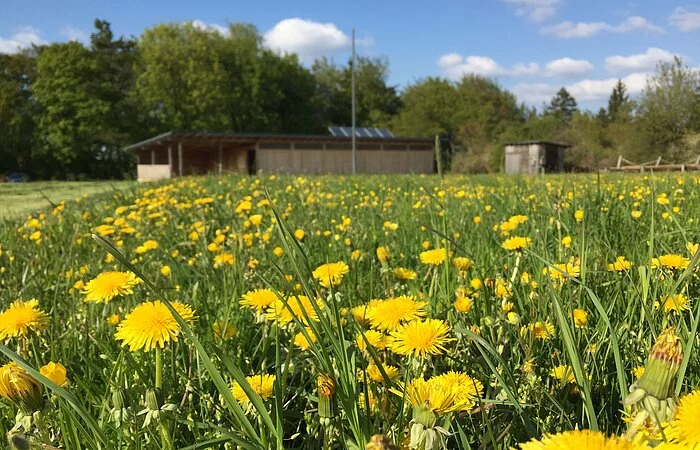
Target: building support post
x: 221, y: 158
x: 170, y: 161
x: 153, y: 157
x: 179, y: 158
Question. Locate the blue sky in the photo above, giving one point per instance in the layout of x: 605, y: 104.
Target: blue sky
x: 532, y: 47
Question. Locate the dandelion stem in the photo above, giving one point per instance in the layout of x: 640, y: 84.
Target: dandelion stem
x: 159, y: 368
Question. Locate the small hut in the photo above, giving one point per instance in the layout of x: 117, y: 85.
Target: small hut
x: 532, y: 157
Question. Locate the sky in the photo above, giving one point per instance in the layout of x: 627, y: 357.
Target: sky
x: 531, y: 47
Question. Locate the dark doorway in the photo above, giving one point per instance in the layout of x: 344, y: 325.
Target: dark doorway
x: 251, y: 161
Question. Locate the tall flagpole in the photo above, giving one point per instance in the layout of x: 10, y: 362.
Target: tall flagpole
x: 354, y: 152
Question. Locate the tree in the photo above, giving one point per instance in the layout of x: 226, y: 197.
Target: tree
x: 429, y: 108
x: 17, y: 112
x: 669, y: 110
x: 618, y: 101
x: 71, y: 115
x: 562, y: 106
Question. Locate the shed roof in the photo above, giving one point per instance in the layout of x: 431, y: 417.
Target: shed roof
x: 542, y: 142
x: 174, y: 136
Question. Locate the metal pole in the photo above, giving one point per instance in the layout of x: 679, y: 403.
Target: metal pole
x: 354, y: 152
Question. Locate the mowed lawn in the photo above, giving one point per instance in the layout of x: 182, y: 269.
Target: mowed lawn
x: 18, y: 199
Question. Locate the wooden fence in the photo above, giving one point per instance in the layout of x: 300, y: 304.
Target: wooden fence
x: 659, y: 164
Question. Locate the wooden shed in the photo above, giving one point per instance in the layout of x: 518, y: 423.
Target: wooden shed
x: 533, y: 157
x: 179, y: 153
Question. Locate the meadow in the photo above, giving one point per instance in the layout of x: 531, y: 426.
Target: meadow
x: 375, y: 312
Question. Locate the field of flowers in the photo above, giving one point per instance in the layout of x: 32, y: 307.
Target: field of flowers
x: 378, y: 312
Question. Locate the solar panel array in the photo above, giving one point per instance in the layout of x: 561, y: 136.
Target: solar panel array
x: 361, y: 132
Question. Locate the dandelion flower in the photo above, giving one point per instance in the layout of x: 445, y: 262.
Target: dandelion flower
x: 258, y: 299
x: 382, y: 254
x: 463, y: 304
x: 21, y: 318
x: 150, y: 325
x: 387, y: 314
x: 262, y: 385
x: 223, y: 331
x: 301, y: 341
x: 54, y: 372
x: 375, y: 338
x: 466, y: 389
x: 563, y: 374
x: 420, y: 338
x: 16, y: 385
x: 560, y: 271
x: 670, y: 261
x: 581, y: 439
x: 430, y: 394
x: 404, y: 274
x: 433, y: 257
x: 301, y: 307
x: 620, y: 264
x: 108, y: 285
x: 685, y: 427
x: 538, y: 330
x: 677, y: 303
x: 331, y: 274
x: 462, y: 263
x: 374, y: 374
x: 516, y: 243
x: 580, y: 318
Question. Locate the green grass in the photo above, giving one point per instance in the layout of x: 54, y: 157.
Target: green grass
x: 196, y: 222
x: 20, y: 199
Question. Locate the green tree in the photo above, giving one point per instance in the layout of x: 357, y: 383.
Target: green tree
x: 669, y: 110
x: 17, y: 111
x: 71, y: 115
x: 429, y: 108
x: 562, y: 106
x: 618, y: 103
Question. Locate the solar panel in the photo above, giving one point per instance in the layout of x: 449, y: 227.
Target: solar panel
x: 361, y: 132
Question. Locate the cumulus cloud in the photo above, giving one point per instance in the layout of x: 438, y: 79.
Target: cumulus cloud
x: 640, y: 62
x: 685, y: 19
x: 308, y: 39
x: 23, y: 38
x: 570, y: 30
x: 568, y: 67
x: 454, y: 66
x: 210, y: 26
x: 583, y: 90
x: 536, y: 10
x: 74, y: 34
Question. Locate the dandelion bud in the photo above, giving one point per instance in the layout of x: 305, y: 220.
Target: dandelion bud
x: 380, y: 442
x: 154, y: 399
x: 662, y: 365
x: 326, y: 389
x: 18, y: 387
x: 119, y: 399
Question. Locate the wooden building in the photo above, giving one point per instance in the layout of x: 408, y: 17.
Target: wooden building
x: 533, y: 157
x: 179, y: 153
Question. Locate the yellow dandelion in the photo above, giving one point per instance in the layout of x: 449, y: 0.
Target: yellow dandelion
x: 465, y: 388
x: 382, y: 254
x: 462, y: 263
x: 560, y: 271
x: 581, y: 439
x: 538, y: 330
x: 580, y: 318
x: 21, y: 318
x: 108, y: 285
x: 258, y: 299
x: 302, y: 342
x: 463, y: 304
x: 375, y: 338
x: 263, y: 385
x: 54, y: 372
x: 670, y: 261
x: 676, y: 303
x: 563, y: 374
x: 150, y: 325
x: 516, y: 243
x: 114, y: 319
x: 375, y: 375
x: 331, y: 274
x: 420, y: 338
x: 16, y: 385
x: 685, y: 427
x: 638, y: 372
x: 223, y: 331
x: 404, y: 274
x: 620, y: 264
x: 433, y: 257
x: 301, y: 308
x: 387, y: 314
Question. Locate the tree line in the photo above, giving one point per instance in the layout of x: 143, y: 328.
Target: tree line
x: 67, y: 109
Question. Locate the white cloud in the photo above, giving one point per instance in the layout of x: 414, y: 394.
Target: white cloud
x: 568, y: 67
x: 210, y: 27
x: 583, y: 90
x: 74, y: 34
x: 454, y: 66
x: 640, y: 62
x: 309, y: 39
x: 536, y: 10
x: 685, y: 19
x: 569, y: 30
x: 23, y: 38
